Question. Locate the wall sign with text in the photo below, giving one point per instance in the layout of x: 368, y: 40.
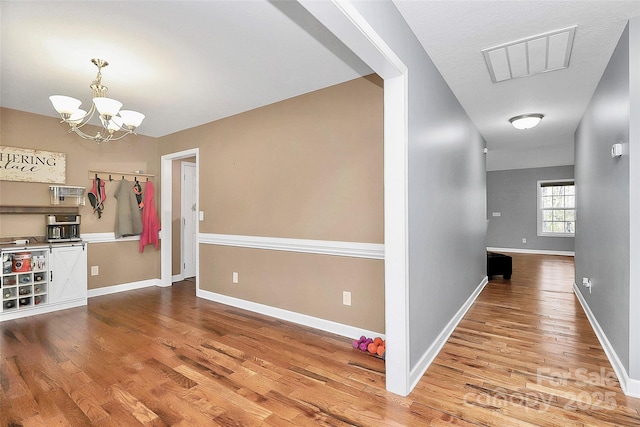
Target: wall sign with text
x: 26, y: 165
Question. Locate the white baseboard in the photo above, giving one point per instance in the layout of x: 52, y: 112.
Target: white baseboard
x: 630, y: 386
x: 532, y: 251
x: 427, y: 358
x: 177, y: 278
x: 106, y: 290
x: 290, y: 316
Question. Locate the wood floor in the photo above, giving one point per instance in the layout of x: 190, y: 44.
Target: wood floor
x: 523, y: 355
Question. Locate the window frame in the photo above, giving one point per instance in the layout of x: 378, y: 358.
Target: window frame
x: 540, y: 209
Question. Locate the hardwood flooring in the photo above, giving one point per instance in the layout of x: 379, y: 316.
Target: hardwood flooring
x: 523, y: 355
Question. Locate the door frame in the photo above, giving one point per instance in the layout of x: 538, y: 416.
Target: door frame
x: 166, y: 179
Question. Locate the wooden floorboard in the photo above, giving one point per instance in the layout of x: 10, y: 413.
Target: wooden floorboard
x: 524, y: 355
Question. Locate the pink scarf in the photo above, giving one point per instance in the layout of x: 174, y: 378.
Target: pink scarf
x: 150, y: 221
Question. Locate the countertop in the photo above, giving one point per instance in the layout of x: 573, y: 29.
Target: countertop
x: 5, y: 246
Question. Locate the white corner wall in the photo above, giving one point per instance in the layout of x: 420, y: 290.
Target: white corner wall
x: 435, y: 224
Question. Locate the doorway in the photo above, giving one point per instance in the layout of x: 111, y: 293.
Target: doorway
x: 167, y: 212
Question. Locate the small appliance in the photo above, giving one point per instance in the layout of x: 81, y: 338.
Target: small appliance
x: 63, y: 228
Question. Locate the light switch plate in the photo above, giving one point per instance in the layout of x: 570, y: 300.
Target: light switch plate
x: 346, y: 298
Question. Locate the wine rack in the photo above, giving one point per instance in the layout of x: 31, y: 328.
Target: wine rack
x: 24, y: 281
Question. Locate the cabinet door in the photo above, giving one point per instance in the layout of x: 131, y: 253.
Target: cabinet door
x: 68, y: 266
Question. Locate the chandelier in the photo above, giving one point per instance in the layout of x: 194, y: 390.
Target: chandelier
x: 116, y: 123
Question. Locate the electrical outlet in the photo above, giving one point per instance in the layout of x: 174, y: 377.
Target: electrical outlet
x: 346, y: 298
x: 524, y: 240
x: 235, y: 277
x: 95, y: 270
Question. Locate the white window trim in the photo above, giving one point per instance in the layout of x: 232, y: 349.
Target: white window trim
x: 539, y: 208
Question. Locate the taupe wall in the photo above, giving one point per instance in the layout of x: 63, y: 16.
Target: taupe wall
x: 303, y: 283
x: 20, y: 129
x: 121, y: 263
x: 310, y: 167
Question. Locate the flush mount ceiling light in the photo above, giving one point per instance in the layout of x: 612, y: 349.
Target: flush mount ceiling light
x: 526, y: 121
x: 116, y: 123
x: 534, y: 55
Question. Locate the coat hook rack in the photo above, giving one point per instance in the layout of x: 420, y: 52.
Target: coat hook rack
x: 129, y: 176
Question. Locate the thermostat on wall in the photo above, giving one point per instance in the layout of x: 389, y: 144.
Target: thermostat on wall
x: 616, y: 150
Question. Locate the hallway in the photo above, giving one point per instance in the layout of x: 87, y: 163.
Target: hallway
x: 525, y: 354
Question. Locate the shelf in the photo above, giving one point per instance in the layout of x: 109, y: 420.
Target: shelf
x: 60, y: 193
x: 28, y: 286
x: 39, y: 210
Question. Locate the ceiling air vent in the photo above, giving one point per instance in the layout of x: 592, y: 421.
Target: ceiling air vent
x: 533, y: 55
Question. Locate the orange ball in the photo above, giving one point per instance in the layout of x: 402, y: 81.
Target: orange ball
x: 372, y: 348
x: 378, y: 340
x: 381, y: 350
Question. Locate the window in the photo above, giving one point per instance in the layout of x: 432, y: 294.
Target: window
x: 557, y: 208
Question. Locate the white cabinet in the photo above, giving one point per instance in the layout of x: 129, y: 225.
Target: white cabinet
x: 68, y: 279
x: 23, y: 282
x: 40, y: 279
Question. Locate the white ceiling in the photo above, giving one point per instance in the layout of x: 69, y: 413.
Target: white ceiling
x: 185, y: 63
x: 182, y: 63
x: 454, y: 33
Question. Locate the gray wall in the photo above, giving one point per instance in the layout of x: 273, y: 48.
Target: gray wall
x: 447, y: 193
x: 634, y: 201
x: 513, y: 193
x: 603, y: 195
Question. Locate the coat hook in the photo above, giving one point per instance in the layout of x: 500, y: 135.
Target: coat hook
x: 122, y: 176
x: 110, y: 179
x: 96, y: 176
x: 147, y: 179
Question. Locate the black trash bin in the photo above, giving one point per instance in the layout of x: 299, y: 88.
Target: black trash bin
x: 498, y: 265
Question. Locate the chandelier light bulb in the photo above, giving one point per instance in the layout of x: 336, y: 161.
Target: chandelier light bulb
x: 77, y: 116
x: 114, y: 125
x: 65, y: 104
x: 107, y: 107
x: 131, y: 119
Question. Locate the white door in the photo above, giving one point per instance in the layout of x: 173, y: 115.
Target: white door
x: 189, y: 218
x: 68, y: 265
